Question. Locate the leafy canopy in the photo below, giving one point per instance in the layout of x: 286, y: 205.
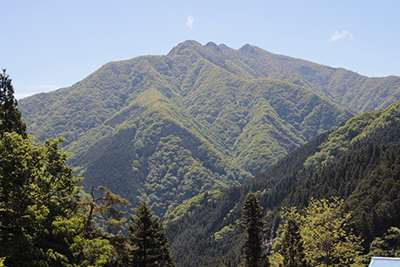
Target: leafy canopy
x: 39, y: 222
x: 325, y: 228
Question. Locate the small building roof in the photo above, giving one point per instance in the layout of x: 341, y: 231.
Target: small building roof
x: 384, y: 262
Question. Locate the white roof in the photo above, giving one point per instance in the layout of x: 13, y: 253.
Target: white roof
x: 384, y: 262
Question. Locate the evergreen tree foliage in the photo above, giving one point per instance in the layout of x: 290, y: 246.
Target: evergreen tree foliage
x: 104, y: 218
x: 253, y: 224
x: 10, y: 117
x: 106, y: 208
x: 147, y: 237
x: 292, y: 246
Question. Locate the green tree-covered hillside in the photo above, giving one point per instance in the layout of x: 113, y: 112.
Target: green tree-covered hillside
x: 166, y: 128
x: 359, y: 163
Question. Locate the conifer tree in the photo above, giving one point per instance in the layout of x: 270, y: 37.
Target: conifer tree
x: 10, y: 117
x: 107, y: 208
x: 253, y: 224
x: 292, y: 246
x: 148, y: 240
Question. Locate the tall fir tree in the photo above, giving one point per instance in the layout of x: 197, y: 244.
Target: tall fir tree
x: 252, y: 222
x: 148, y: 240
x: 10, y: 117
x: 292, y: 246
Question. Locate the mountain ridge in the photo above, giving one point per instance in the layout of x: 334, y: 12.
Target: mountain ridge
x: 244, y: 113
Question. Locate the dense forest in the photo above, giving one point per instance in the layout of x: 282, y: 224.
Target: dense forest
x: 362, y: 170
x: 193, y: 136
x: 166, y: 128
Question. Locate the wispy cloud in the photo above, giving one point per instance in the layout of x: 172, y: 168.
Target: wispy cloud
x: 189, y: 22
x: 340, y: 35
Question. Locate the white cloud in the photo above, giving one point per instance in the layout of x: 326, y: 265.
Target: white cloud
x: 340, y: 35
x: 189, y: 22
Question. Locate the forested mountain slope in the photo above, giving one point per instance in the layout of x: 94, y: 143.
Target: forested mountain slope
x: 347, y: 88
x: 358, y: 162
x: 165, y: 128
x: 216, y: 91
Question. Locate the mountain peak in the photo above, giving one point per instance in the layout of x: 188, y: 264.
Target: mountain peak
x: 210, y: 46
x: 182, y: 47
x: 248, y: 49
x: 223, y: 47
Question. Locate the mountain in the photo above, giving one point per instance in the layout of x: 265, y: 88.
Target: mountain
x: 347, y: 88
x: 359, y: 162
x: 167, y: 128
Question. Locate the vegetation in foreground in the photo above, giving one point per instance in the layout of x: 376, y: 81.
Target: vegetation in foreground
x: 45, y: 218
x: 319, y: 235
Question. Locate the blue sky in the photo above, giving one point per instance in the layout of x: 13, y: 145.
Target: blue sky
x: 46, y: 45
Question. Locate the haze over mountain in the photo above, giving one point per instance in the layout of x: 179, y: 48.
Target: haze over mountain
x: 167, y: 128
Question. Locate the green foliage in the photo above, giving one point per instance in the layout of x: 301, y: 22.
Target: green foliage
x: 35, y: 191
x: 292, y: 246
x: 359, y: 93
x: 10, y: 117
x: 161, y: 163
x: 39, y: 222
x: 105, y: 208
x: 386, y: 246
x: 365, y: 175
x: 325, y: 228
x: 220, y: 234
x: 190, y: 204
x: 204, y: 221
x: 354, y: 131
x: 253, y: 224
x: 146, y: 234
x: 367, y: 179
x: 95, y: 251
